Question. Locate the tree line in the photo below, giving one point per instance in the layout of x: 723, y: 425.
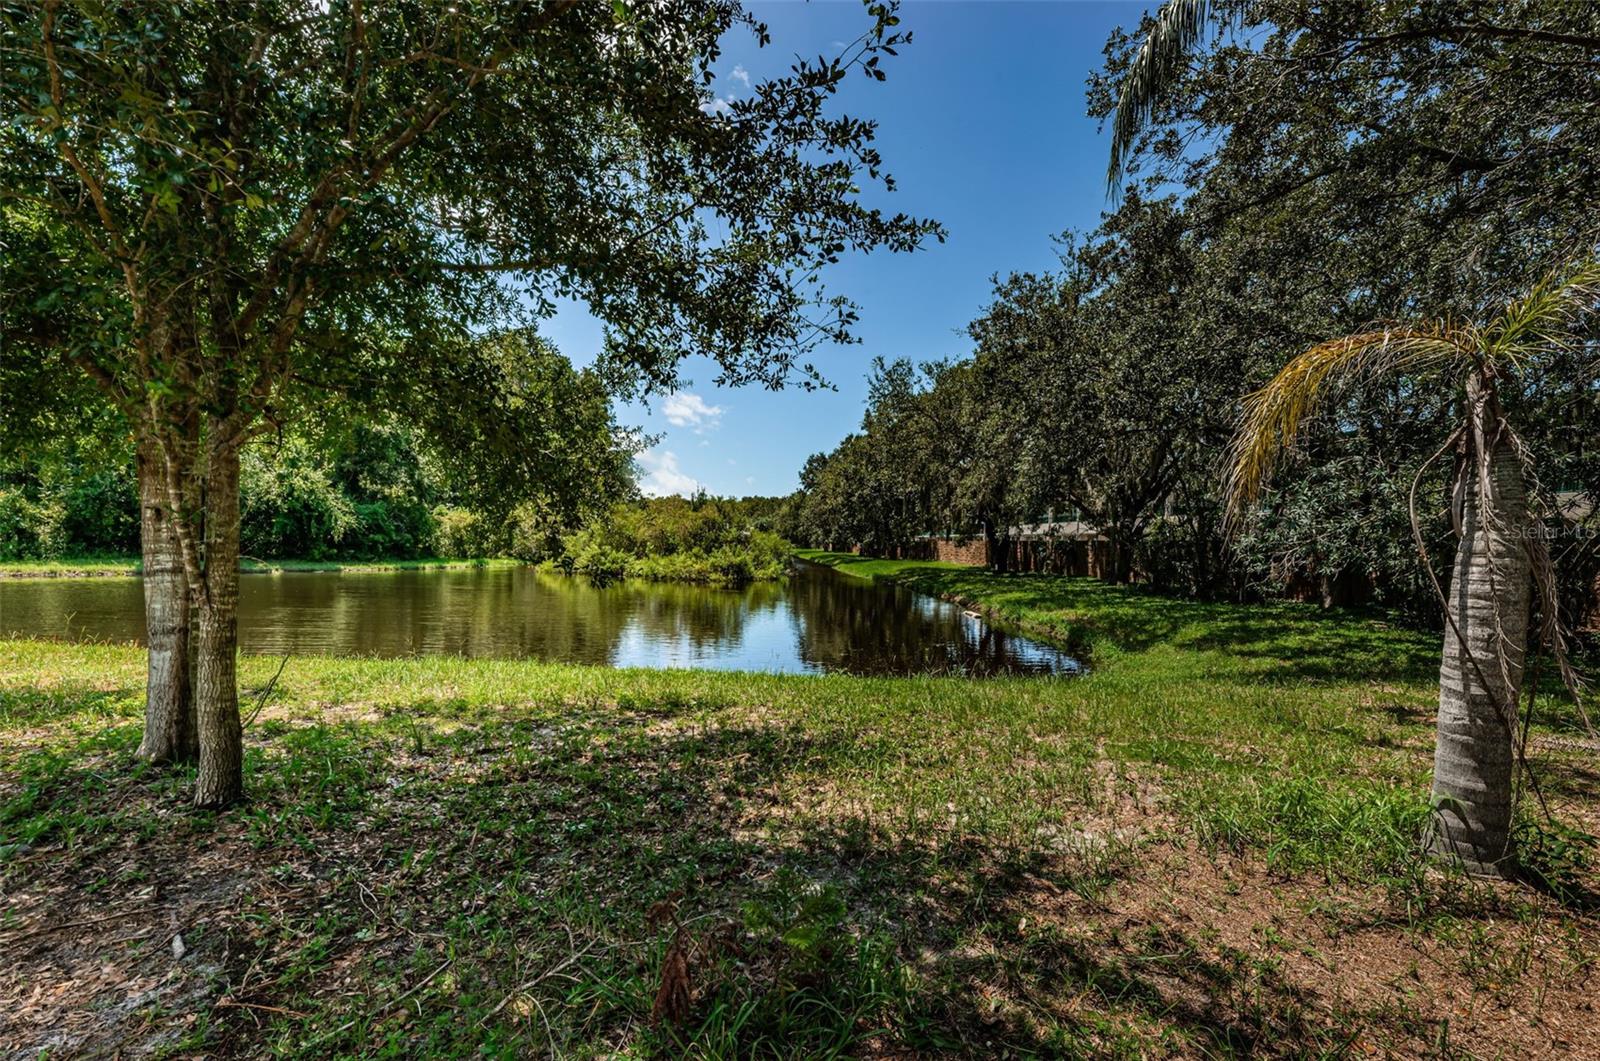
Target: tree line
x: 357, y: 484
x: 1304, y: 171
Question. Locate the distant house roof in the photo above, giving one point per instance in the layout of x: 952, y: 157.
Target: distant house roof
x: 1061, y: 530
x: 1070, y: 530
x: 1575, y: 505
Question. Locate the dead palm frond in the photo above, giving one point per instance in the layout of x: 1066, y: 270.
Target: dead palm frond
x: 1154, y: 70
x: 1274, y: 415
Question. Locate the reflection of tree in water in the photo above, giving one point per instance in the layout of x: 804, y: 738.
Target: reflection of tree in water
x: 819, y: 618
x: 96, y: 609
x: 703, y: 617
x: 844, y: 624
x: 511, y: 612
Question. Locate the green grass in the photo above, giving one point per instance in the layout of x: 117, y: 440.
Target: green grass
x: 129, y: 566
x: 1204, y: 846
x: 72, y: 567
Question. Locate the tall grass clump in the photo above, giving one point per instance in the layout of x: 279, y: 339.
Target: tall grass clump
x: 1306, y: 822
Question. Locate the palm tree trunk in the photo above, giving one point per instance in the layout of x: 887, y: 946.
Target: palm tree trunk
x: 169, y: 731
x: 1480, y: 675
x: 221, y: 780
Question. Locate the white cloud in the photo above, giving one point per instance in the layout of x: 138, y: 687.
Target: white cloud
x: 691, y: 410
x: 741, y: 75
x: 662, y: 476
x: 717, y: 105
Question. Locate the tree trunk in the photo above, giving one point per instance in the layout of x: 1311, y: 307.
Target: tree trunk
x: 1480, y: 674
x: 1118, y: 568
x: 221, y: 780
x: 169, y: 730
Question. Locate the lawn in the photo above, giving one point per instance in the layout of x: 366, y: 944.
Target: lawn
x: 1206, y: 846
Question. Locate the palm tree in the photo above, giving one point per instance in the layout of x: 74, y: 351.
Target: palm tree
x: 1500, y: 557
x: 1156, y: 67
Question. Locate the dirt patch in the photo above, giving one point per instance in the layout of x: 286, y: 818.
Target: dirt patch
x: 123, y: 951
x: 1230, y: 956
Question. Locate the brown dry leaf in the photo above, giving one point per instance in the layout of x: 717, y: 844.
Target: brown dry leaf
x: 673, y: 998
x: 663, y: 912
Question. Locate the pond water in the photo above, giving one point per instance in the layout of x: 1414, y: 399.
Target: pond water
x: 817, y: 621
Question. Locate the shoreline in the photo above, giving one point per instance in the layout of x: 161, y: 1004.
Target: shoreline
x: 923, y: 577
x: 29, y: 570
x: 46, y: 571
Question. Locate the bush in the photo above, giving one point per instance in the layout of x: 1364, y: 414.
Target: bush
x: 534, y: 534
x: 461, y: 534
x: 602, y: 563
x: 57, y: 508
x: 289, y: 506
x: 390, y: 530
x: 31, y: 529
x: 102, y: 512
x: 677, y: 540
x: 731, y: 565
x: 769, y: 553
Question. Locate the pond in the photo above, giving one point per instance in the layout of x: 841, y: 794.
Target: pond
x: 817, y: 621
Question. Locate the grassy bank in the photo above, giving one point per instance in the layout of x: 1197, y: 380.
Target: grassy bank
x: 72, y: 567
x: 1205, y: 847
x: 129, y: 566
x: 1108, y: 622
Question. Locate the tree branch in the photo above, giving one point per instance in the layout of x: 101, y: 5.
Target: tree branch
x: 119, y: 246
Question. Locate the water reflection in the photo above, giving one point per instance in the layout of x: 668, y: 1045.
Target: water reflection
x: 817, y: 621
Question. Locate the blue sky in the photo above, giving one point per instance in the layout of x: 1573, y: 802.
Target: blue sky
x: 982, y: 124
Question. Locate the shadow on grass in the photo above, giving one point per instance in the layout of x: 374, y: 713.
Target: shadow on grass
x: 426, y: 885
x: 1286, y: 642
x: 526, y: 849
x: 31, y: 706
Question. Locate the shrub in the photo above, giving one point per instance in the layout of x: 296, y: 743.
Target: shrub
x: 390, y: 529
x: 459, y: 534
x: 61, y: 508
x: 673, y: 539
x: 289, y: 506
x: 31, y: 528
x: 102, y: 512
x: 534, y: 534
x: 602, y: 563
x: 770, y: 554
